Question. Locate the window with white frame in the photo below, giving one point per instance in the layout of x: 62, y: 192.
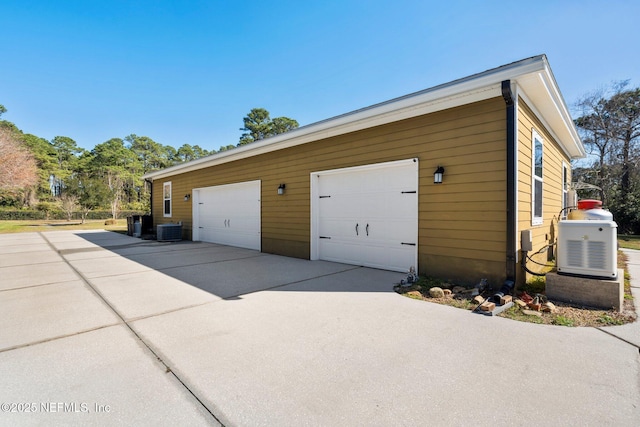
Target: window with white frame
x: 537, y: 166
x: 166, y: 199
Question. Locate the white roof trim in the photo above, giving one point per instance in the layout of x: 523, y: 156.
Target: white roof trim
x: 532, y: 74
x: 541, y: 93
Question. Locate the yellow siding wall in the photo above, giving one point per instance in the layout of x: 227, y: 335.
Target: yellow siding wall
x: 553, y: 157
x: 461, y: 222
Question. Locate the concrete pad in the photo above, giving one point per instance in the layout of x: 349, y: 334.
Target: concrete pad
x: 106, y: 367
x: 286, y: 357
x: 631, y: 331
x: 86, y: 253
x: 20, y: 239
x: 107, y: 266
x: 353, y: 280
x: 151, y: 247
x: 125, y: 251
x: 193, y: 257
x: 45, y: 312
x: 63, y: 240
x: 108, y: 238
x: 31, y: 258
x: 118, y: 242
x: 606, y: 294
x: 331, y: 344
x: 96, y: 252
x: 25, y: 248
x: 237, y: 277
x: 182, y: 247
x: 27, y: 275
x: 62, y: 236
x: 148, y: 293
x: 73, y: 244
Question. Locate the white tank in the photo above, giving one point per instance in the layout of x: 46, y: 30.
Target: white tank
x: 598, y: 214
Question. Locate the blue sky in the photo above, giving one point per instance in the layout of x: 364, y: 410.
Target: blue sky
x: 189, y: 71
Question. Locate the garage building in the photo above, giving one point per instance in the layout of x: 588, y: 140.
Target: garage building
x: 362, y: 188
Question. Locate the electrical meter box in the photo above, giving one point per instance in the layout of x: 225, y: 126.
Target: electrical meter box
x: 588, y: 248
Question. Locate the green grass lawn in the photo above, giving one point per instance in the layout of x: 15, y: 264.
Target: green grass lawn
x: 628, y: 241
x: 57, y: 225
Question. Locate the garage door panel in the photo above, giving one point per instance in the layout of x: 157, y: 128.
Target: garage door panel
x: 367, y: 214
x: 391, y: 231
x: 338, y: 227
x: 341, y: 251
x: 230, y: 214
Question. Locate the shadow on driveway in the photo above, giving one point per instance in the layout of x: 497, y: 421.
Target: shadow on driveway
x: 224, y: 271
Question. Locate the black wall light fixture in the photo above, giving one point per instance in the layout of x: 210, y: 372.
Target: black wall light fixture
x: 187, y: 197
x: 437, y: 175
x: 281, y: 188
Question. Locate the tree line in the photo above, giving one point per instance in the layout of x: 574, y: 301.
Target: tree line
x: 40, y: 173
x: 57, y: 174
x: 609, y: 124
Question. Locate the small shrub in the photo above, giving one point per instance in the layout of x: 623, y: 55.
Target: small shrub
x: 31, y: 214
x: 563, y: 321
x: 515, y: 313
x: 605, y: 319
x: 535, y: 285
x: 48, y: 208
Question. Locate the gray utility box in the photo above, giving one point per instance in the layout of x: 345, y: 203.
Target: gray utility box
x: 169, y: 232
x: 588, y: 248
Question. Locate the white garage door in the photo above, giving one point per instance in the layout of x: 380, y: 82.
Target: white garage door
x: 367, y: 215
x: 228, y: 214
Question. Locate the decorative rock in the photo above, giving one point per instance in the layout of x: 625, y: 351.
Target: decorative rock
x: 505, y: 299
x: 535, y: 307
x: 526, y: 297
x: 447, y: 292
x: 535, y: 304
x: 478, y: 299
x: 487, y: 306
x: 549, y: 307
x: 458, y: 289
x: 414, y: 294
x: 436, y: 292
x: 532, y: 313
x: 521, y: 303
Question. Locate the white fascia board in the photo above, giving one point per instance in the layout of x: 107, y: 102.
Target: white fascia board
x: 564, y: 121
x: 541, y: 93
x: 359, y: 120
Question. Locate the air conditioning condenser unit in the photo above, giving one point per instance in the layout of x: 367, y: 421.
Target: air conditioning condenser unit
x: 169, y: 232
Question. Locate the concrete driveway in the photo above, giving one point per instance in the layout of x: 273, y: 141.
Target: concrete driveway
x: 104, y: 329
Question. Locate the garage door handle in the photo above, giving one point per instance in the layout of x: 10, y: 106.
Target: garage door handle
x: 408, y: 244
x: 228, y: 223
x: 367, y: 229
x: 357, y: 230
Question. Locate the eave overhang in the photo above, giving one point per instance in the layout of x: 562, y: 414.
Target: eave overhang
x: 533, y: 75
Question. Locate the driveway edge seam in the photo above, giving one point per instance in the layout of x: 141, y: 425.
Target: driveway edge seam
x: 154, y: 353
